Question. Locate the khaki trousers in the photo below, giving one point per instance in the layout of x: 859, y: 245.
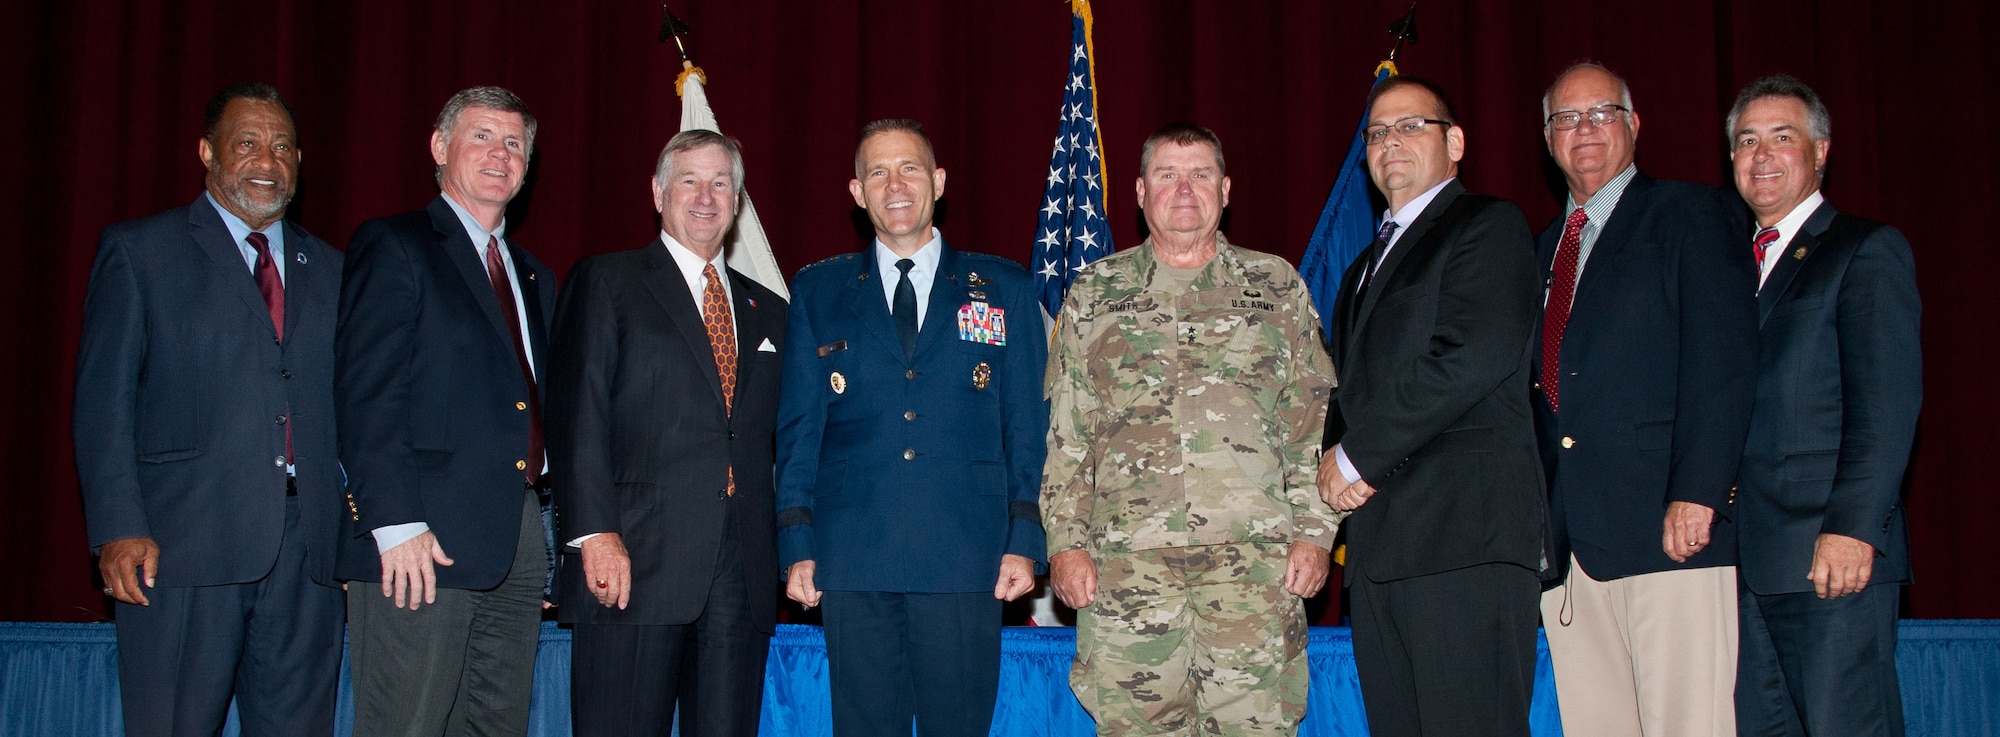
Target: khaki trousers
x: 1652, y: 655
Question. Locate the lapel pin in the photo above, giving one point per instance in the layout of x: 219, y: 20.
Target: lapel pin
x: 976, y: 294
x: 839, y: 383
x: 302, y: 257
x: 531, y: 276
x: 982, y: 374
x: 1800, y: 254
x: 972, y: 278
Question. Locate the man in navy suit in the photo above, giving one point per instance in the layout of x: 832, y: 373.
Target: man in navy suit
x: 1839, y: 381
x: 662, y: 404
x: 1431, y: 332
x: 910, y: 454
x: 442, y: 335
x: 1648, y: 341
x: 205, y: 442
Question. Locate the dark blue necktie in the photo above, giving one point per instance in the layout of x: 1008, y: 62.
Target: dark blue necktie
x: 904, y: 309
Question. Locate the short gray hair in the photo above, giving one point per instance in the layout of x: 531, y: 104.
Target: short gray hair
x: 689, y: 140
x: 491, y: 98
x: 1818, y: 122
x: 1184, y: 134
x: 1624, y: 90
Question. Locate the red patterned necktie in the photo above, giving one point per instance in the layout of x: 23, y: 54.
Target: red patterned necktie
x: 721, y: 340
x: 273, y: 290
x: 1763, y: 242
x: 504, y: 291
x: 1562, y: 289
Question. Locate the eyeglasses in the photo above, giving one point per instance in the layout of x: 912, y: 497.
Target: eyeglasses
x: 1599, y: 116
x: 1374, y: 135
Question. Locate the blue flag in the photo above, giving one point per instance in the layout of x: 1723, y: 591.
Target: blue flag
x: 1346, y: 226
x: 1072, y: 230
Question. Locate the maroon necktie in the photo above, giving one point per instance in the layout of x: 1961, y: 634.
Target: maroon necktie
x: 268, y: 282
x: 504, y: 290
x: 273, y: 290
x: 1562, y: 288
x: 1763, y: 242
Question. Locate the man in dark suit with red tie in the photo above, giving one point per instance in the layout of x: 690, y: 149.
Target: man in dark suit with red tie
x: 1839, y: 382
x: 1644, y: 378
x: 442, y: 342
x: 663, y: 399
x: 205, y: 442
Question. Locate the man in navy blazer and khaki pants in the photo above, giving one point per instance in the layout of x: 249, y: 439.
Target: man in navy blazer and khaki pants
x: 442, y: 340
x: 1839, y: 381
x: 910, y: 454
x: 1648, y: 343
x: 205, y: 443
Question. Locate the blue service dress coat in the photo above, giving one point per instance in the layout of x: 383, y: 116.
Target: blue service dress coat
x: 912, y: 474
x: 184, y: 394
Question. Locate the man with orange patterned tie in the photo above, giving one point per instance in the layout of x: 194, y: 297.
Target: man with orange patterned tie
x: 662, y: 403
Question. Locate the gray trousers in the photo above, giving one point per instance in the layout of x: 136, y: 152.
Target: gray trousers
x: 462, y: 666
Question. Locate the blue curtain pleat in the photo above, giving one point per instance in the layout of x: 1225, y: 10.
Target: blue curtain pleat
x: 61, y: 680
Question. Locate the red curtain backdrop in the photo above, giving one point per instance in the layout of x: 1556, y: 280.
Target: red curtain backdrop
x: 110, y: 98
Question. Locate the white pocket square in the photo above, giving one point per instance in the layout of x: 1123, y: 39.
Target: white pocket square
x: 766, y: 347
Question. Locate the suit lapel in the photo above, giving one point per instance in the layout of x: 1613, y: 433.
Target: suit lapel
x: 301, y: 278
x: 531, y: 306
x: 948, y: 291
x: 1612, y: 237
x: 750, y: 330
x: 663, y: 278
x: 870, y: 308
x: 212, y: 238
x: 464, y: 256
x: 1342, y: 322
x: 1805, y: 242
x: 1412, y: 240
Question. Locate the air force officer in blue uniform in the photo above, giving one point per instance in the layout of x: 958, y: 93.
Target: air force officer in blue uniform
x: 910, y: 454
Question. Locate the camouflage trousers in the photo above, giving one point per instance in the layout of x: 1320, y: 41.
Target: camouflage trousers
x: 1193, y: 641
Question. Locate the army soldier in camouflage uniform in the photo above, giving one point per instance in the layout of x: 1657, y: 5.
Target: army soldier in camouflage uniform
x: 1188, y: 387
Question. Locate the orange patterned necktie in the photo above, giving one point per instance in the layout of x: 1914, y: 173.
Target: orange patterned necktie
x: 721, y: 340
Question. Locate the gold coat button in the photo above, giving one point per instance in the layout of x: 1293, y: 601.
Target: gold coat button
x: 520, y: 465
x: 1569, y: 442
x: 910, y: 374
x: 521, y: 405
x: 909, y: 454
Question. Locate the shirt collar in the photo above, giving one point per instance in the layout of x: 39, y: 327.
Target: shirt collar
x: 1412, y: 209
x: 473, y: 229
x: 689, y: 263
x: 1606, y: 199
x: 1789, y: 225
x: 926, y: 257
x: 274, y: 234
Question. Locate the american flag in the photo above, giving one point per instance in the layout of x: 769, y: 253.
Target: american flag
x: 1072, y: 229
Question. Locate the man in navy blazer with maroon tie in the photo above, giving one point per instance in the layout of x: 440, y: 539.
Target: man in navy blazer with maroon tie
x: 441, y: 346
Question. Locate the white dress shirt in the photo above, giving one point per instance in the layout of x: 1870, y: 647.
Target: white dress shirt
x: 921, y: 275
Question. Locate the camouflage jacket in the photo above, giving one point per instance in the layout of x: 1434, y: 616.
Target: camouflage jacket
x: 1186, y: 419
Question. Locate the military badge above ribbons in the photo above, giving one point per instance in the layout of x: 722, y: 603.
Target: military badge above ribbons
x: 980, y: 322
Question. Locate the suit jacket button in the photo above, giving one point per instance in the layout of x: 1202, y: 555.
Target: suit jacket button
x: 284, y: 373
x: 909, y: 415
x: 732, y: 434
x: 1569, y: 442
x: 281, y: 419
x: 280, y: 462
x: 520, y: 405
x: 910, y: 374
x: 520, y: 465
x: 909, y: 454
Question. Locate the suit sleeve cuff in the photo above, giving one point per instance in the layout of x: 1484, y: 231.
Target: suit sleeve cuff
x: 1347, y: 469
x: 390, y: 536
